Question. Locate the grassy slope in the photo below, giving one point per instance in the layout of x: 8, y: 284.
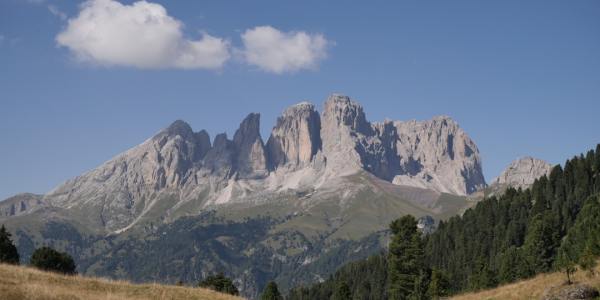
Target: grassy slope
x: 532, y: 288
x: 26, y: 283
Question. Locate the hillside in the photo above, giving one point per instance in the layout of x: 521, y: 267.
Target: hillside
x: 534, y: 288
x: 26, y: 283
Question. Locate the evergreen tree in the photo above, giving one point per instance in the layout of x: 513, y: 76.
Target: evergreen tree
x: 512, y: 265
x: 219, y: 283
x: 271, y: 292
x: 342, y: 292
x: 48, y: 259
x: 587, y: 260
x: 406, y: 259
x: 541, y: 243
x: 438, y: 285
x: 8, y: 251
x: 566, y: 263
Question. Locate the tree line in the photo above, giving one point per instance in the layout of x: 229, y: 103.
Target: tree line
x: 44, y: 258
x: 553, y: 225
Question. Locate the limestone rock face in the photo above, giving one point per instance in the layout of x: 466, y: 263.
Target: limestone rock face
x: 522, y: 172
x: 438, y: 154
x: 114, y: 193
x: 343, y: 127
x: 435, y: 154
x: 296, y: 138
x: 251, y: 157
x: 220, y: 159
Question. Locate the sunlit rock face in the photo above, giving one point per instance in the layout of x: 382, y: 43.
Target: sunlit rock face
x: 522, y: 172
x: 180, y: 172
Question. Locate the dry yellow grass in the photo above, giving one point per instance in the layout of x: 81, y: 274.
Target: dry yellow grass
x: 30, y: 284
x: 533, y: 288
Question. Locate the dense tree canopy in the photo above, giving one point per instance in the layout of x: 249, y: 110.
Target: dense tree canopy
x: 553, y: 225
x: 48, y: 259
x: 271, y: 292
x: 219, y: 283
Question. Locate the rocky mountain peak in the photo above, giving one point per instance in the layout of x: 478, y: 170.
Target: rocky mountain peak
x: 179, y: 127
x: 202, y: 144
x: 249, y: 130
x: 340, y: 110
x: 439, y: 154
x: 522, y: 172
x: 251, y: 154
x: 295, y: 139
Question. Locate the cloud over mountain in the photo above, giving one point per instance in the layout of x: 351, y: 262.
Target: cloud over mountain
x: 144, y: 35
x: 141, y: 35
x: 278, y: 52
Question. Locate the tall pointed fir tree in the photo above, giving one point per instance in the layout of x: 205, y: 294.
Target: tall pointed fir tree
x: 406, y: 260
x: 8, y: 251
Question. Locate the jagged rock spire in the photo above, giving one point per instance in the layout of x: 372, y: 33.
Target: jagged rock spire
x: 296, y: 138
x: 251, y: 156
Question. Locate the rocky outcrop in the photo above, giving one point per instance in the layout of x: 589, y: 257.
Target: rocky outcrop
x: 438, y: 154
x: 343, y: 127
x: 21, y: 204
x: 522, y: 172
x: 435, y: 154
x: 571, y: 292
x: 251, y: 158
x: 295, y: 139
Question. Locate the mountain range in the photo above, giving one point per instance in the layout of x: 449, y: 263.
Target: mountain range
x: 319, y: 192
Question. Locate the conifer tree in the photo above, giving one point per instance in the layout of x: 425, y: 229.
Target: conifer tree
x: 8, y: 251
x: 438, y: 285
x: 406, y: 259
x: 342, y: 291
x: 271, y: 292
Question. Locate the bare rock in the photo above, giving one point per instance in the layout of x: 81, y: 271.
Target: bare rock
x: 251, y: 157
x: 522, y: 172
x: 296, y: 138
x: 571, y: 292
x: 438, y: 154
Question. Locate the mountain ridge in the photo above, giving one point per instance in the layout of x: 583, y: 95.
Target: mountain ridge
x: 305, y: 150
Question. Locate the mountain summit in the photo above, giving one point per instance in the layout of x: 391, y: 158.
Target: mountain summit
x: 306, y: 151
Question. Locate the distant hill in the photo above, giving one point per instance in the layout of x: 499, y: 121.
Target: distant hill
x: 19, y: 282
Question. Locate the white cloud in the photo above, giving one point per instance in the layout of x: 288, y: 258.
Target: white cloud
x: 57, y: 12
x: 141, y: 35
x: 279, y: 52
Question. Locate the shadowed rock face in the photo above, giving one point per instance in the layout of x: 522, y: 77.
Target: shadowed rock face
x: 305, y: 151
x: 251, y: 157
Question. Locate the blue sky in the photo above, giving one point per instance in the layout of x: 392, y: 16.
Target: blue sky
x: 521, y: 77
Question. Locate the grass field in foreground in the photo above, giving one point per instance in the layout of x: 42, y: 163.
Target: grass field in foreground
x: 18, y: 282
x: 533, y: 288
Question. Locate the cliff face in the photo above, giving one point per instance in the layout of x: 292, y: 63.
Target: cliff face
x: 435, y: 154
x: 522, y: 172
x: 305, y: 152
x: 295, y: 139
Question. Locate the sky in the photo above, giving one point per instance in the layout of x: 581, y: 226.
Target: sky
x: 83, y: 81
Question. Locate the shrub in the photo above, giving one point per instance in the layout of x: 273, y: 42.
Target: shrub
x: 219, y: 283
x: 48, y: 259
